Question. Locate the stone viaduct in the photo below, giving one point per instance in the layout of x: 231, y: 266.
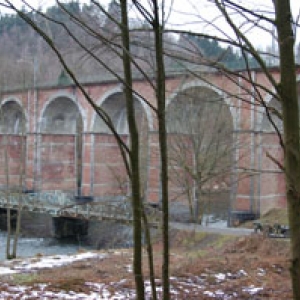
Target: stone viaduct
x: 51, y: 139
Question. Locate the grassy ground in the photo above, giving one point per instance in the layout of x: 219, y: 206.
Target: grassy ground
x: 203, y: 266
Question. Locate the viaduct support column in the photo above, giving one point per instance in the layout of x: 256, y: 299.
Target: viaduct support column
x: 154, y: 187
x: 87, y: 162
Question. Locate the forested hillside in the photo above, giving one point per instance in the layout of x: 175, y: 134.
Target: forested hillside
x: 25, y: 59
x: 24, y: 55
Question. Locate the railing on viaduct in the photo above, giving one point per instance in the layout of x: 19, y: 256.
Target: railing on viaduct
x: 59, y: 204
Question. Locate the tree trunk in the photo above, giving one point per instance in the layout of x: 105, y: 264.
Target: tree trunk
x: 7, y: 194
x: 21, y: 180
x: 150, y: 255
x: 161, y: 108
x: 78, y: 154
x: 287, y: 91
x: 133, y: 157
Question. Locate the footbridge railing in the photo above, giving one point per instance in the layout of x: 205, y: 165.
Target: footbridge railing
x: 60, y: 204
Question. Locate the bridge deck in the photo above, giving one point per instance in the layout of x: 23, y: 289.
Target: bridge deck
x: 59, y: 204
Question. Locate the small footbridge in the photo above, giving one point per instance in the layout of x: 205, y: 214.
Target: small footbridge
x: 60, y: 204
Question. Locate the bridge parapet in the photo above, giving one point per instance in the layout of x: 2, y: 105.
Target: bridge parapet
x: 49, y: 201
x: 60, y: 204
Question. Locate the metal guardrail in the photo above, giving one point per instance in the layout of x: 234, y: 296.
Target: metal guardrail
x: 59, y: 204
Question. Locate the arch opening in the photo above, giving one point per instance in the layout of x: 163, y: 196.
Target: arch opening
x: 12, y: 118
x: 115, y: 107
x: 272, y: 194
x: 61, y: 116
x: 274, y: 108
x: 108, y: 162
x: 13, y: 142
x: 61, y: 144
x: 200, y: 142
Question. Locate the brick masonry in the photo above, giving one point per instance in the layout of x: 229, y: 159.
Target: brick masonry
x: 50, y: 138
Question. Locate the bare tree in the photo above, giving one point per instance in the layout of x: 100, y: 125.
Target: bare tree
x: 200, y: 148
x: 276, y: 15
x: 21, y: 184
x: 287, y: 94
x: 118, y: 43
x: 135, y: 181
x: 283, y: 90
x: 14, y: 142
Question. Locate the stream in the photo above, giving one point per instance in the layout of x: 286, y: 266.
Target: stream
x: 32, y: 246
x: 28, y: 247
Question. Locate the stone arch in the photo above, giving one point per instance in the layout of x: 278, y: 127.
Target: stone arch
x: 272, y: 191
x: 200, y: 125
x: 13, y: 119
x: 13, y: 141
x: 119, y: 117
x: 265, y: 124
x: 60, y: 113
x: 61, y: 142
x: 108, y: 172
x: 221, y: 94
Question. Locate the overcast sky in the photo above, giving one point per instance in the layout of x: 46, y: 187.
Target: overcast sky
x: 185, y: 15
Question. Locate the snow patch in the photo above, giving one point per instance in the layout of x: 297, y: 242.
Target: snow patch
x: 6, y: 271
x: 252, y: 290
x: 49, y: 262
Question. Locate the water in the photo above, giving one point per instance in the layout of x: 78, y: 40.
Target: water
x: 28, y: 247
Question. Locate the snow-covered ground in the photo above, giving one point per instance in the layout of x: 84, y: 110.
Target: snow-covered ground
x: 33, y: 264
x: 197, y: 285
